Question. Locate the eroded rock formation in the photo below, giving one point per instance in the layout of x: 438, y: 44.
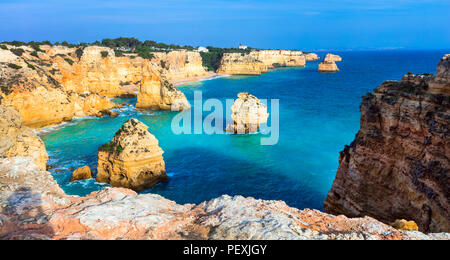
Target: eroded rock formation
x: 160, y: 94
x: 247, y: 113
x: 398, y: 165
x: 32, y: 206
x: 328, y: 66
x: 58, y: 83
x: 19, y: 140
x: 332, y: 58
x: 133, y: 159
x: 243, y: 64
x: 311, y: 56
x: 257, y: 62
x: 180, y: 65
x: 82, y: 173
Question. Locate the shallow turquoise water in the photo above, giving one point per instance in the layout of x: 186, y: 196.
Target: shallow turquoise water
x: 319, y: 114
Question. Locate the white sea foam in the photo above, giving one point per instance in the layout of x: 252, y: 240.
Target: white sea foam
x: 48, y: 129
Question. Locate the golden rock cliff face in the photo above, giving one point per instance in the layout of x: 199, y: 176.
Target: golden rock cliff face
x: 280, y: 58
x: 243, y: 64
x: 180, y: 65
x: 311, y: 56
x: 247, y: 113
x: 133, y: 159
x: 30, y: 85
x: 257, y: 62
x: 327, y: 66
x: 58, y: 83
x: 332, y: 58
x: 398, y: 165
x: 19, y: 140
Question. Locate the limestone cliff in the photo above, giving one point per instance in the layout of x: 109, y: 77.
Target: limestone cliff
x: 133, y: 159
x: 257, y: 62
x: 180, y: 65
x: 311, y: 56
x: 29, y: 84
x: 247, y: 113
x: 328, y: 66
x: 19, y: 140
x: 160, y: 94
x: 243, y: 64
x: 57, y: 83
x: 32, y: 206
x: 398, y: 165
x: 332, y: 58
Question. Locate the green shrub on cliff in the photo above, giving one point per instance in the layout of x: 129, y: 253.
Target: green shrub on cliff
x: 69, y: 61
x: 17, y: 51
x: 79, y: 52
x: 3, y: 47
x: 14, y: 66
x: 211, y: 59
x: 104, y: 54
x: 118, y: 53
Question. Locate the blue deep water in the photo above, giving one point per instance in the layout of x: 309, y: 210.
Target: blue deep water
x: 318, y: 115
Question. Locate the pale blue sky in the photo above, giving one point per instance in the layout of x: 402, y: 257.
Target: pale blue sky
x: 308, y: 25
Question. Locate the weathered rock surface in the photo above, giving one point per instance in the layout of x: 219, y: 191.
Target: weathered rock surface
x: 19, y: 140
x: 398, y: 165
x: 404, y: 224
x: 161, y: 94
x: 332, y: 58
x: 58, y: 83
x: 180, y: 65
x: 133, y: 159
x: 327, y: 66
x: 82, y: 173
x: 257, y: 62
x: 247, y: 113
x: 243, y: 64
x: 311, y: 56
x: 32, y: 206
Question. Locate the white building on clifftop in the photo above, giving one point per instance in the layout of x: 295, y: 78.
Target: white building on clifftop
x: 243, y: 47
x: 202, y: 49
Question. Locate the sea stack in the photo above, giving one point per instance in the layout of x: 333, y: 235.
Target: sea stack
x: 332, y: 58
x: 159, y: 93
x: 329, y: 63
x: 247, y: 113
x: 82, y: 173
x: 133, y: 159
x: 398, y: 165
x: 327, y: 66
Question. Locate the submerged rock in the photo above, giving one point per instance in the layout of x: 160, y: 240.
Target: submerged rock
x: 247, y: 113
x: 398, y: 165
x: 133, y: 159
x: 82, y: 173
x: 19, y: 140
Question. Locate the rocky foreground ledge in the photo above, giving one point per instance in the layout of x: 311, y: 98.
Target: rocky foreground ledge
x: 33, y: 206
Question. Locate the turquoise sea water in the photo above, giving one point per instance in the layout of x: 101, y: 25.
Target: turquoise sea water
x: 319, y: 114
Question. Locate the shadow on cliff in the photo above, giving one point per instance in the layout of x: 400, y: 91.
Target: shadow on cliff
x: 204, y: 174
x: 23, y: 217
